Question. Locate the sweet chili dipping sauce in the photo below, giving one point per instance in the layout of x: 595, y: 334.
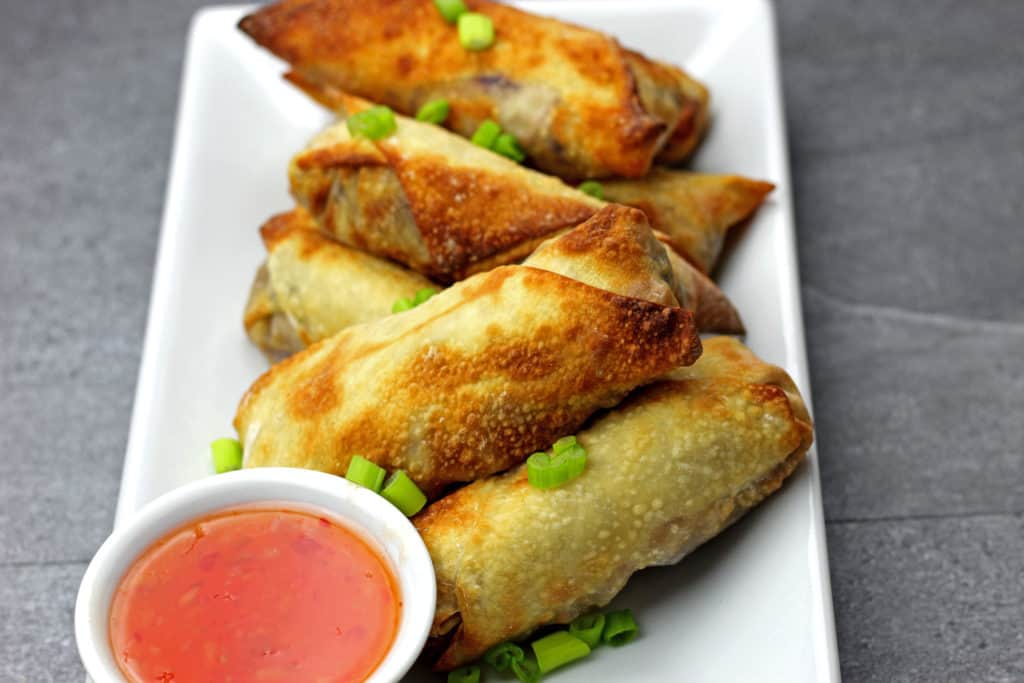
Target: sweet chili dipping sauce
x: 255, y: 595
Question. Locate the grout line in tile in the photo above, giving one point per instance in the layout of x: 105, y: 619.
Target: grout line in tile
x: 937, y: 319
x: 922, y: 517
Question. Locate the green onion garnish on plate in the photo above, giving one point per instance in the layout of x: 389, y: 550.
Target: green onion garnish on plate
x: 451, y: 10
x: 588, y: 628
x: 402, y: 492
x: 422, y: 295
x: 403, y: 304
x: 619, y: 627
x: 227, y: 455
x: 507, y: 146
x: 558, y: 649
x: 487, y: 133
x: 503, y: 655
x: 593, y: 188
x: 465, y: 674
x: 365, y: 473
x: 373, y: 123
x: 526, y: 671
x: 434, y: 111
x: 476, y: 31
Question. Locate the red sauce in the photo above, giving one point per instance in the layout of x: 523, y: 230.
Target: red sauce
x: 255, y: 595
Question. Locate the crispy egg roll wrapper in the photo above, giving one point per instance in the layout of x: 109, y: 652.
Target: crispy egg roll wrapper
x: 695, y: 210
x: 312, y: 287
x: 668, y: 469
x: 580, y: 104
x: 447, y: 208
x: 466, y: 384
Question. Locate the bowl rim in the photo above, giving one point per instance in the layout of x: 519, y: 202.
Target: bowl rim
x: 359, y: 509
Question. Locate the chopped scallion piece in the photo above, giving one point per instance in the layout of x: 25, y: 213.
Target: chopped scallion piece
x: 487, y: 133
x: 227, y: 455
x: 476, y: 31
x: 543, y: 473
x: 563, y: 443
x: 403, y: 304
x: 507, y: 146
x: 365, y: 473
x: 593, y: 188
x: 465, y: 674
x: 373, y: 123
x: 588, y: 628
x: 503, y: 655
x: 402, y: 492
x: 575, y: 458
x: 451, y: 10
x: 422, y: 295
x: 558, y: 649
x: 619, y: 627
x: 434, y: 111
x: 526, y: 671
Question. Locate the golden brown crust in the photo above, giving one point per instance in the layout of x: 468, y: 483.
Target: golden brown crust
x: 466, y: 384
x: 580, y: 104
x: 429, y: 199
x: 614, y: 250
x: 694, y: 210
x: 667, y: 469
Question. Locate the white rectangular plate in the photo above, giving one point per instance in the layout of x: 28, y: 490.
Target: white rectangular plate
x: 754, y: 604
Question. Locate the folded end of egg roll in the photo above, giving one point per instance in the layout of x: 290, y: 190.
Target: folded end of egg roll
x: 312, y: 287
x: 695, y: 210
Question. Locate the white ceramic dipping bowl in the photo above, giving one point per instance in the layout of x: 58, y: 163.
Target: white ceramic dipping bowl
x: 335, y: 498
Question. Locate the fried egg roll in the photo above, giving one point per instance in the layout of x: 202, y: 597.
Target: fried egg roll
x: 311, y: 287
x: 580, y: 104
x: 466, y: 384
x: 668, y: 469
x: 447, y: 208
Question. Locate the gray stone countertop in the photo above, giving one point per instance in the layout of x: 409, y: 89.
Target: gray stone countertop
x: 906, y: 128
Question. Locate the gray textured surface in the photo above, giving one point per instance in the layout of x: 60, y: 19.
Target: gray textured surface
x: 906, y: 127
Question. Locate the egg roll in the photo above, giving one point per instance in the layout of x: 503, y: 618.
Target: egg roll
x: 668, y: 469
x: 694, y: 210
x: 466, y: 384
x: 580, y: 104
x: 447, y: 208
x: 311, y: 287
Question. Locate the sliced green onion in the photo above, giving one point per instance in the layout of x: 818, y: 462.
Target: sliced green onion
x: 227, y: 455
x: 619, y: 628
x: 543, y: 473
x: 526, y: 671
x: 465, y: 674
x: 558, y: 649
x: 422, y: 295
x: 487, y: 133
x: 593, y: 188
x: 508, y: 146
x: 575, y: 459
x: 403, y: 304
x: 504, y: 655
x: 451, y: 10
x: 588, y: 628
x: 402, y: 492
x: 476, y: 31
x: 373, y: 123
x: 365, y: 473
x: 563, y: 443
x: 434, y: 111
